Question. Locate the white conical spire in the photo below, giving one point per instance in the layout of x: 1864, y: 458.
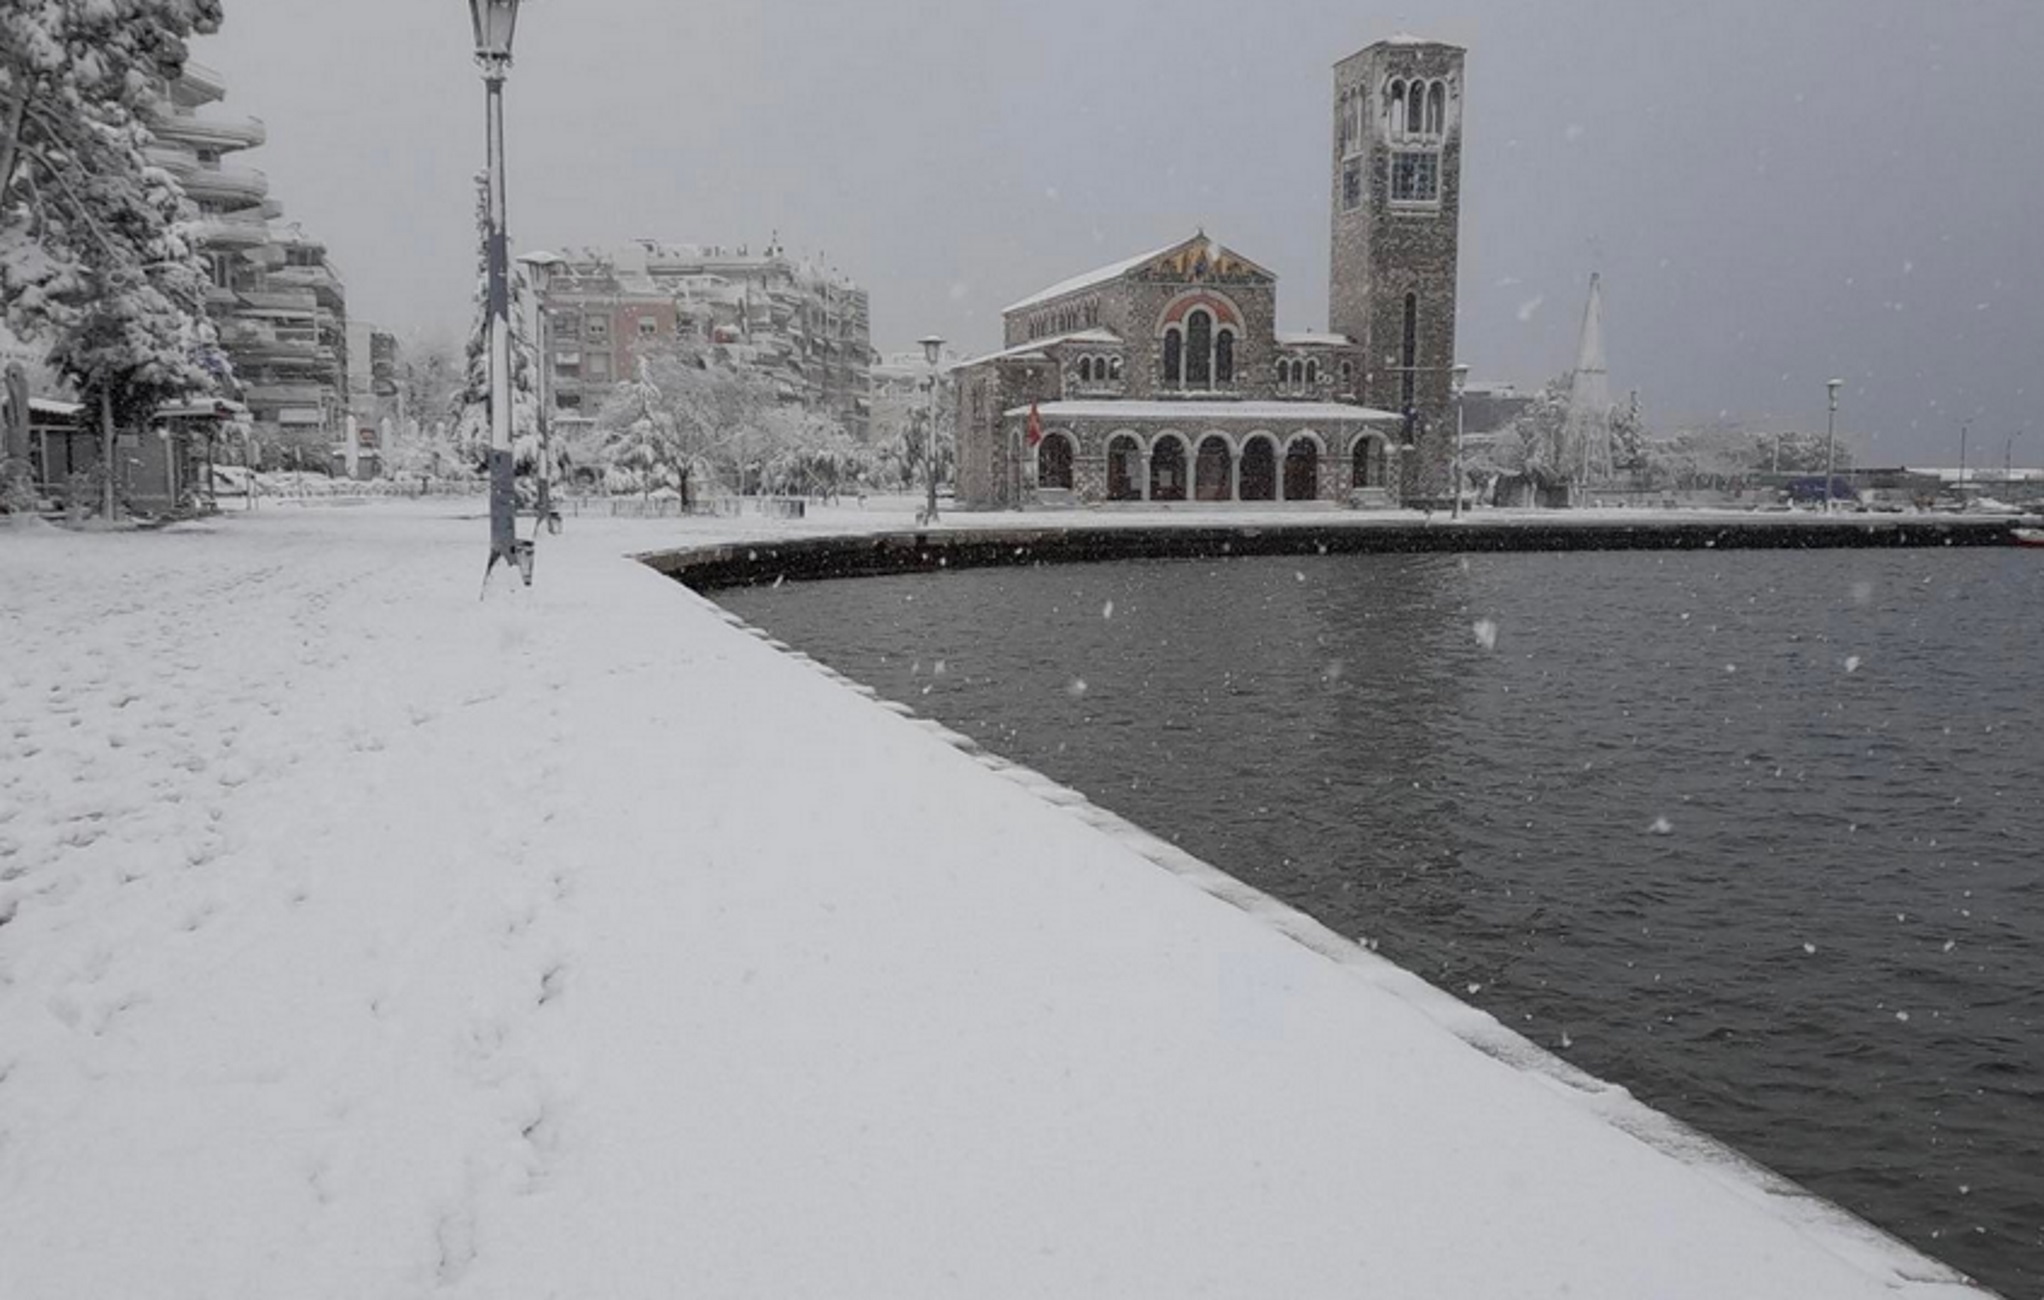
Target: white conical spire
x: 1587, y: 440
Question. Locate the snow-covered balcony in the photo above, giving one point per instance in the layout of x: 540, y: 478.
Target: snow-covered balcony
x: 293, y: 300
x: 231, y: 230
x: 220, y: 184
x: 199, y: 85
x: 206, y: 131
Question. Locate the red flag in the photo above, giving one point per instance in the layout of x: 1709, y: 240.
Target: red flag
x: 1034, y: 434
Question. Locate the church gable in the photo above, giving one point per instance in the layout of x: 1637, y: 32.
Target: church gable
x: 1200, y: 260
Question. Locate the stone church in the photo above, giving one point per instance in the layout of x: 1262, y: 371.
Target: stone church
x: 1164, y: 377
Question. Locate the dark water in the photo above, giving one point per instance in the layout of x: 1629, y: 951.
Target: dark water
x: 1758, y: 835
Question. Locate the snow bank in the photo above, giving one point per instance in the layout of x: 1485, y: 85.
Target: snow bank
x: 365, y: 938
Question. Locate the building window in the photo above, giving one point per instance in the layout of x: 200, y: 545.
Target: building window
x: 1312, y: 373
x: 1085, y: 370
x: 1199, y: 349
x: 1437, y: 108
x: 1352, y: 185
x: 598, y: 328
x: 1114, y: 370
x: 1348, y: 376
x: 1415, y: 176
x: 597, y: 367
x: 648, y: 327
x: 1174, y: 353
x: 1224, y: 359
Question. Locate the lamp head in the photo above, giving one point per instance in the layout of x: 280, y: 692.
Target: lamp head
x: 1459, y: 378
x: 933, y: 348
x: 495, y: 20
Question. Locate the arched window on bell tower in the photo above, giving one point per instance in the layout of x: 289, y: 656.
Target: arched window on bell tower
x: 1174, y: 357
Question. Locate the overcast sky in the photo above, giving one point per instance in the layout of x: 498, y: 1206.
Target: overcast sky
x: 1775, y: 190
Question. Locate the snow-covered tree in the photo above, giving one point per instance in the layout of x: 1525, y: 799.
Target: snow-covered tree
x: 95, y: 261
x: 471, y: 401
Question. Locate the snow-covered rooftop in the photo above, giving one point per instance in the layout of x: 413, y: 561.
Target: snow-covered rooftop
x: 1312, y: 339
x: 1035, y: 347
x: 1198, y: 412
x: 1100, y: 275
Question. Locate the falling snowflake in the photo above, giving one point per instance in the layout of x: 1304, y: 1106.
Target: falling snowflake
x: 1107, y: 610
x: 1077, y: 688
x: 1661, y: 826
x: 1852, y: 663
x: 1810, y: 948
x: 1486, y: 633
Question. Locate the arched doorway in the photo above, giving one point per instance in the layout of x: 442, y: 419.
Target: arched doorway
x: 1213, y: 470
x: 1167, y: 470
x: 1259, y: 470
x: 1124, y: 468
x: 1367, y: 462
x: 1302, y: 470
x: 1054, y: 462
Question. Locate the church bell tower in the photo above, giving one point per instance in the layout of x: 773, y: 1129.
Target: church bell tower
x: 1397, y: 207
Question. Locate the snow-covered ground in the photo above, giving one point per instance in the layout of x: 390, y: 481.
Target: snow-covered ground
x: 364, y: 938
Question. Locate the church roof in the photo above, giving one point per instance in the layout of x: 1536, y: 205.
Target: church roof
x: 1035, y: 347
x: 1116, y: 270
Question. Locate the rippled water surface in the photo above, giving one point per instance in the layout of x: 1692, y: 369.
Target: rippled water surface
x: 1758, y: 835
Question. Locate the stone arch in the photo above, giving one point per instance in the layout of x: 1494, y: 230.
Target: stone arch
x: 1125, y: 472
x: 1054, y: 460
x: 1168, y: 477
x: 1213, y: 469
x: 1301, y: 480
x: 1369, y: 466
x: 1258, y: 473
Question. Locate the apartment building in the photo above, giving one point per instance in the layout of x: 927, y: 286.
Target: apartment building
x: 803, y: 329
x: 276, y: 299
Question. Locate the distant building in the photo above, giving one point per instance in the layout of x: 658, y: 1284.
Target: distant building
x: 804, y: 330
x: 1164, y: 377
x: 375, y: 401
x: 276, y: 299
x: 901, y: 389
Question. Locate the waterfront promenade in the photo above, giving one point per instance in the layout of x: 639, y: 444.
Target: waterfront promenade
x: 364, y: 938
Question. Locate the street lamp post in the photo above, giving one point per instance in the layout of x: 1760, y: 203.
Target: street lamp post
x: 933, y: 349
x: 539, y: 270
x: 1965, y: 428
x: 1458, y: 382
x: 1830, y: 436
x: 495, y: 21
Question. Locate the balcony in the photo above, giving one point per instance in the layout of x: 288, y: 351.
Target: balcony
x: 205, y: 131
x: 199, y: 84
x: 231, y: 230
x: 244, y: 186
x: 293, y: 300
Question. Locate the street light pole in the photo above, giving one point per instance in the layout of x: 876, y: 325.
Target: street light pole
x: 1965, y: 427
x: 933, y: 349
x: 1458, y: 381
x: 495, y: 21
x: 1830, y: 437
